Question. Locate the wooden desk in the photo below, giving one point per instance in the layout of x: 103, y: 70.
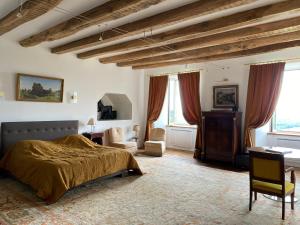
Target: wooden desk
x: 290, y: 159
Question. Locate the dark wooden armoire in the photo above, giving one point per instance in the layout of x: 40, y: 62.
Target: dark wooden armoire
x: 221, y: 135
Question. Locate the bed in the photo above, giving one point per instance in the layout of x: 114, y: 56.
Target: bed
x: 52, y: 158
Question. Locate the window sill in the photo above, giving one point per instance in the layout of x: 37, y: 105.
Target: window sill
x: 294, y: 134
x: 183, y: 126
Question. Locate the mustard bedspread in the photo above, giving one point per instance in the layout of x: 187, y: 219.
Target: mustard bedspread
x: 53, y: 167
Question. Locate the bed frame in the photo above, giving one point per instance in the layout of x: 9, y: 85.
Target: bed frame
x: 12, y: 132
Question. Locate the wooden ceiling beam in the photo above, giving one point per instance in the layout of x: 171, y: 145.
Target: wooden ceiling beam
x: 258, y: 31
x: 109, y: 11
x: 255, y: 51
x: 211, y: 27
x: 29, y: 11
x: 217, y: 50
x: 184, y: 13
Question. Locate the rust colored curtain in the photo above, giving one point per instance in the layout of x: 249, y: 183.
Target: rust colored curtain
x: 189, y: 86
x: 263, y: 93
x: 157, y: 93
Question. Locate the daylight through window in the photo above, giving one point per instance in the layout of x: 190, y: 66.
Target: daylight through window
x: 287, y: 114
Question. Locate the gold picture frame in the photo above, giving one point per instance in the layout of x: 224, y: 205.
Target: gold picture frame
x: 36, y: 88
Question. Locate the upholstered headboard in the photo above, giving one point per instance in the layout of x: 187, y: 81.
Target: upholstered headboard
x: 12, y: 132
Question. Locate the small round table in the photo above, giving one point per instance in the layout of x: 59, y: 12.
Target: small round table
x: 278, y: 199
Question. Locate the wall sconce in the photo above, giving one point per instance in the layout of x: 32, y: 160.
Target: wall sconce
x: 2, y: 95
x: 74, y: 97
x: 20, y: 13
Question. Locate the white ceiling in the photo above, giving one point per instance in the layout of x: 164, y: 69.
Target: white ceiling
x: 75, y: 7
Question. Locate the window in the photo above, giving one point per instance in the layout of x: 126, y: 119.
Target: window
x: 172, y: 110
x: 287, y: 114
x: 175, y: 108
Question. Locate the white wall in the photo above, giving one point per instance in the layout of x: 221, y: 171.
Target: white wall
x: 236, y: 71
x: 211, y: 74
x: 89, y: 78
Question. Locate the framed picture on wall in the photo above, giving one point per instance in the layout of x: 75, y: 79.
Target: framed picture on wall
x: 226, y: 96
x: 39, y: 88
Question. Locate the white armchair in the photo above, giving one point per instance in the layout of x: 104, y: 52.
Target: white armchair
x: 116, y: 139
x: 156, y: 146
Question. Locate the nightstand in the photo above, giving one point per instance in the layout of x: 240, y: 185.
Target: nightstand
x: 95, y: 137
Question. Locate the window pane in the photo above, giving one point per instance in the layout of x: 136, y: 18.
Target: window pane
x: 175, y: 108
x: 172, y: 110
x: 287, y: 114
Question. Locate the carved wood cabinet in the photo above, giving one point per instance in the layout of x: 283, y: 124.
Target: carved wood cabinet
x: 221, y: 135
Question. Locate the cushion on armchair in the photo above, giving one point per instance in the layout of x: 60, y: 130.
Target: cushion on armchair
x: 116, y: 134
x: 124, y: 144
x: 156, y: 146
x: 157, y: 134
x: 116, y: 139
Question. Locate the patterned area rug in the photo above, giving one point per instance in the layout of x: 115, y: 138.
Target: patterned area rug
x: 173, y: 191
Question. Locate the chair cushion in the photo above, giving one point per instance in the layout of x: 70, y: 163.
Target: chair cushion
x: 155, y: 148
x: 154, y: 143
x: 124, y: 145
x: 157, y: 134
x: 116, y: 134
x: 270, y: 187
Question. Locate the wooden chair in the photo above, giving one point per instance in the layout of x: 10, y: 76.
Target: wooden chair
x: 267, y: 176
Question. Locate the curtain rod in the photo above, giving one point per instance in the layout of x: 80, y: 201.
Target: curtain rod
x: 174, y: 73
x: 274, y: 61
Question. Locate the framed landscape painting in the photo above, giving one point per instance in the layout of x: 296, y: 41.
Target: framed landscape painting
x: 226, y: 96
x: 39, y: 89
